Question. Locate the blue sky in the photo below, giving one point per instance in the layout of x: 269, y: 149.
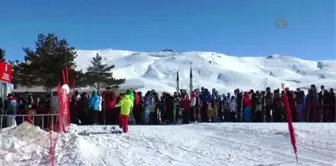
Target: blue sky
x: 234, y: 27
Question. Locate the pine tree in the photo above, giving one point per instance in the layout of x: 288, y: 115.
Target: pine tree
x: 100, y: 74
x: 43, y: 67
x: 2, y: 55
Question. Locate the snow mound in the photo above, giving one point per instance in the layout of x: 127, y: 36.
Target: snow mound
x: 214, y: 70
x: 229, y: 144
x: 75, y: 150
x: 24, y: 144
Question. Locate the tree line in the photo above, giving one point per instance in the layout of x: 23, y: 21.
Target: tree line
x: 43, y: 65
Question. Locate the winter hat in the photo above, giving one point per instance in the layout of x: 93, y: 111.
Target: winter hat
x: 94, y: 91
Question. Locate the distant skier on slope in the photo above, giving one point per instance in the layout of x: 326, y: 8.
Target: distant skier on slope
x: 125, y: 105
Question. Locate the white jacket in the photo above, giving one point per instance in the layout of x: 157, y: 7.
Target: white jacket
x: 193, y: 101
x: 233, y: 105
x: 100, y: 103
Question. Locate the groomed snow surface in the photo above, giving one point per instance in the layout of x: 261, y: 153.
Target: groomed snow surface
x: 157, y: 70
x: 206, y: 144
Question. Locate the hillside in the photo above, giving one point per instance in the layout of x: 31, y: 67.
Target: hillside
x: 157, y: 70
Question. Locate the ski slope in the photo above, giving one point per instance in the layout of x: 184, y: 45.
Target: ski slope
x: 157, y: 70
x: 238, y: 144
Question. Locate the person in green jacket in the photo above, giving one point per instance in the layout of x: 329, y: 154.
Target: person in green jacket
x: 131, y: 95
x: 125, y: 105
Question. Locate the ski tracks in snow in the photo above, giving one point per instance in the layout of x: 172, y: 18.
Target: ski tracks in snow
x: 201, y: 144
x: 277, y: 147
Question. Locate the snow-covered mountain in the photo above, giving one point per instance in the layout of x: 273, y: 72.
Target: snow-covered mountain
x: 157, y: 70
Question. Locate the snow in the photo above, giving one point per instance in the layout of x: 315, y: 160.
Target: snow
x: 196, y: 144
x: 157, y: 70
x: 22, y: 144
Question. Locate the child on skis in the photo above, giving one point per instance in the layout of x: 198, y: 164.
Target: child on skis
x: 125, y: 105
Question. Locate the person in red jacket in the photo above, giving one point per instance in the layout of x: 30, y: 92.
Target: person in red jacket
x: 186, y: 108
x: 137, y: 107
x: 247, y: 102
x: 110, y: 112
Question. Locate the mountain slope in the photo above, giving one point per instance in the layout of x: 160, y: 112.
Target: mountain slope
x: 157, y: 70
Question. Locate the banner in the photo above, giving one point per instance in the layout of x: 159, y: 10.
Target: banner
x: 6, y: 72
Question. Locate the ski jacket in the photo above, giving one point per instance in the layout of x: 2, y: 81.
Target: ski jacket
x: 148, y: 101
x: 11, y: 105
x: 125, y: 105
x: 186, y: 102
x: 233, y: 105
x: 206, y: 96
x: 226, y: 104
x: 193, y: 99
x: 247, y: 100
x: 110, y: 100
x: 137, y: 99
x: 305, y: 102
x: 152, y: 104
x: 95, y: 102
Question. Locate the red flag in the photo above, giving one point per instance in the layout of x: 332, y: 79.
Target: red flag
x: 289, y: 121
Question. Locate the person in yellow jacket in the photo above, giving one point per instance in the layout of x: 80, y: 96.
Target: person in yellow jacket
x: 213, y: 111
x: 125, y: 105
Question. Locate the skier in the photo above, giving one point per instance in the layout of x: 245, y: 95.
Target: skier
x: 131, y: 95
x: 213, y: 111
x: 233, y: 109
x: 247, y: 107
x: 205, y: 99
x: 11, y: 109
x: 137, y: 110
x: 226, y: 109
x: 95, y: 106
x: 74, y: 111
x: 148, y: 103
x: 125, y: 105
x: 153, y: 113
x: 259, y: 105
x: 186, y: 108
x: 278, y: 107
x: 300, y: 97
x: 177, y: 105
x: 312, y: 99
x: 193, y: 107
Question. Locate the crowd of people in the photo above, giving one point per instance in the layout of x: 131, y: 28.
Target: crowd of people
x: 16, y: 104
x: 204, y: 106
x: 181, y: 108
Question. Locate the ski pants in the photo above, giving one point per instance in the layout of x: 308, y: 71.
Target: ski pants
x: 131, y: 118
x: 300, y: 113
x: 247, y: 114
x: 146, y: 115
x: 123, y: 122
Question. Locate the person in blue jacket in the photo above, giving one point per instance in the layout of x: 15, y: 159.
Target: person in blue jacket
x: 148, y: 105
x: 205, y: 100
x: 95, y: 106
